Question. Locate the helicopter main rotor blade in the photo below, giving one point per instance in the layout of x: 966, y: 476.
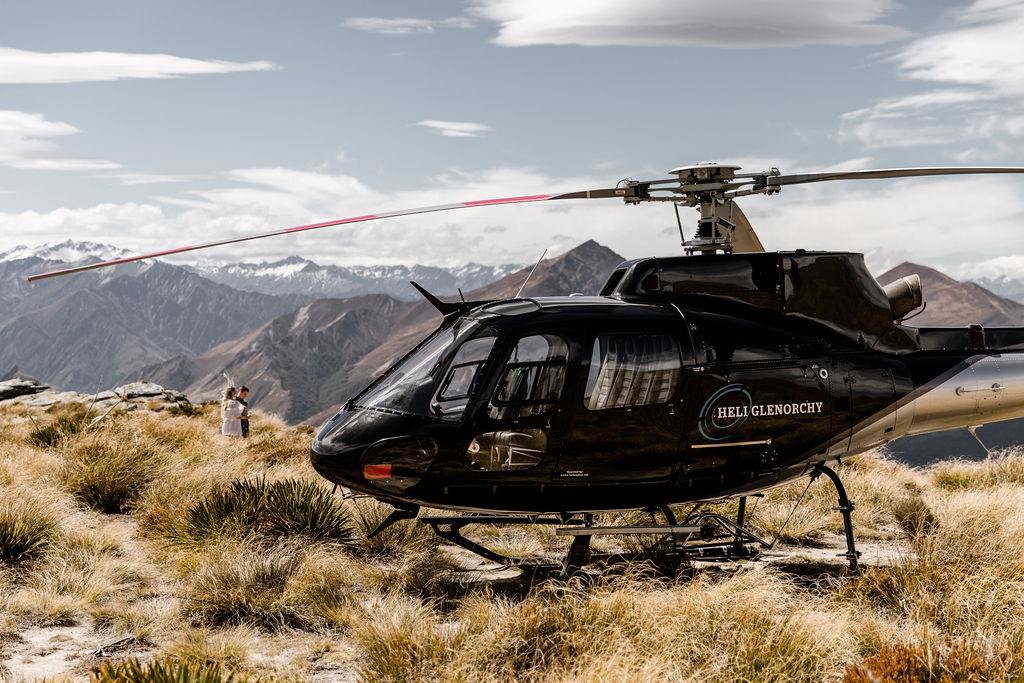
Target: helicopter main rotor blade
x: 596, y: 194
x: 798, y: 178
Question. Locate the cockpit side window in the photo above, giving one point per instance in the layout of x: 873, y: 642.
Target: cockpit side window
x: 532, y: 380
x: 450, y: 400
x: 632, y: 370
x: 436, y: 380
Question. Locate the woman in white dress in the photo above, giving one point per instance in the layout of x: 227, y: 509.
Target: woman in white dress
x: 230, y: 414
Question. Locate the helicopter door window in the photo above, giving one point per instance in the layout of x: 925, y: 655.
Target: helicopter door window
x: 632, y: 370
x: 450, y: 401
x: 532, y: 380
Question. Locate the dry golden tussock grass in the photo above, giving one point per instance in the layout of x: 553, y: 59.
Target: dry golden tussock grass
x: 104, y: 502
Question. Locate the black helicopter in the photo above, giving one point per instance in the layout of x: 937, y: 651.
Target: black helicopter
x: 686, y: 380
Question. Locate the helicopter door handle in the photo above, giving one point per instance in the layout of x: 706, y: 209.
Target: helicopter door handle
x: 964, y: 390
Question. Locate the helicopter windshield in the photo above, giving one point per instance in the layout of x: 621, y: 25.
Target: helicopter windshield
x: 438, y: 378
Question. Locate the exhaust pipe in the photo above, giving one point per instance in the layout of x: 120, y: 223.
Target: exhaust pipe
x: 904, y: 295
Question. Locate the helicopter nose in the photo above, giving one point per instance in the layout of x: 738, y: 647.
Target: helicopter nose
x: 371, y: 451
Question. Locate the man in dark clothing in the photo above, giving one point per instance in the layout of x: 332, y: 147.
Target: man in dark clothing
x: 243, y: 392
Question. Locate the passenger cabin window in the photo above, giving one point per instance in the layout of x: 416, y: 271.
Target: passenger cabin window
x: 632, y: 370
x: 532, y: 380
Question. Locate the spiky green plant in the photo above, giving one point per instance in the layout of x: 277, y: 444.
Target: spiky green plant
x: 261, y: 508
x: 163, y: 670
x: 307, y: 509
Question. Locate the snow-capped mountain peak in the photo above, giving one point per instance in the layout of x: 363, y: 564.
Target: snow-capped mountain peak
x: 68, y: 251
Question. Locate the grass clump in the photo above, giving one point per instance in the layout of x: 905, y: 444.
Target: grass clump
x: 401, y: 641
x: 958, y: 475
x: 407, y: 536
x: 244, y: 585
x: 914, y: 515
x: 184, y: 409
x: 69, y: 421
x: 270, y: 443
x: 270, y: 509
x: 751, y: 627
x: 75, y: 577
x: 110, y: 470
x: 25, y: 532
x: 225, y: 647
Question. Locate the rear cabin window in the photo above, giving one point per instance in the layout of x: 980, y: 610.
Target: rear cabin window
x: 632, y: 370
x: 532, y: 380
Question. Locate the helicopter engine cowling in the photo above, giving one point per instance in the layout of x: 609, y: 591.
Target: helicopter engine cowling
x: 905, y: 295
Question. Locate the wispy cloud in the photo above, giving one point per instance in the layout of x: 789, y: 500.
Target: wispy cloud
x: 405, y: 26
x: 25, y: 142
x: 23, y: 66
x: 143, y: 178
x: 456, y: 129
x: 978, y: 66
x: 649, y: 23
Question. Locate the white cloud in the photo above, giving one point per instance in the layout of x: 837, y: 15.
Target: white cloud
x: 456, y: 129
x: 650, y: 23
x: 143, y: 178
x: 979, y: 66
x: 924, y: 220
x: 984, y: 50
x: 25, y: 143
x: 404, y: 26
x: 23, y: 66
x: 1011, y: 266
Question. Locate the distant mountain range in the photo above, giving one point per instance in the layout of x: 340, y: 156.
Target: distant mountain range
x: 1004, y: 285
x: 83, y: 332
x: 295, y: 275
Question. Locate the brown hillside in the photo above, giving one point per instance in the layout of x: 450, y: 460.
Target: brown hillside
x: 952, y: 303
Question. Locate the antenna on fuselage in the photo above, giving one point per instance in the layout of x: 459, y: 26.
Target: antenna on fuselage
x: 523, y: 286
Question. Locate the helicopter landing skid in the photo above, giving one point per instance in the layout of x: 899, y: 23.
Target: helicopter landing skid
x: 450, y: 529
x: 706, y: 528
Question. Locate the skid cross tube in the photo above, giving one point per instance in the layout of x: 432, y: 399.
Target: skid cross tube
x: 845, y: 507
x: 450, y: 529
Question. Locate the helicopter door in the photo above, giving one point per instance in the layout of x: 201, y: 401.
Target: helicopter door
x: 629, y: 425
x: 522, y: 422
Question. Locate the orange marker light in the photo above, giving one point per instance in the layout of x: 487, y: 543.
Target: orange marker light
x: 377, y: 471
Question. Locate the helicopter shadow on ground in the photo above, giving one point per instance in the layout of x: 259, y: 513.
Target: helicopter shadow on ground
x: 809, y: 568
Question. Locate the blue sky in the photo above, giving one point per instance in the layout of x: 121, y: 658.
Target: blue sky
x: 152, y: 124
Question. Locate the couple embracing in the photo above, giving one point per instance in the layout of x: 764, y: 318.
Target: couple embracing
x: 234, y: 412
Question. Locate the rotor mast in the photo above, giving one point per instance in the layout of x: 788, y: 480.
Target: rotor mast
x: 710, y: 188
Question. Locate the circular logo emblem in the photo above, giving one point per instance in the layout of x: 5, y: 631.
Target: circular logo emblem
x: 724, y: 412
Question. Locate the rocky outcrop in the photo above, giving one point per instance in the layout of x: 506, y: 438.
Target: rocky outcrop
x: 13, y: 388
x: 131, y: 396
